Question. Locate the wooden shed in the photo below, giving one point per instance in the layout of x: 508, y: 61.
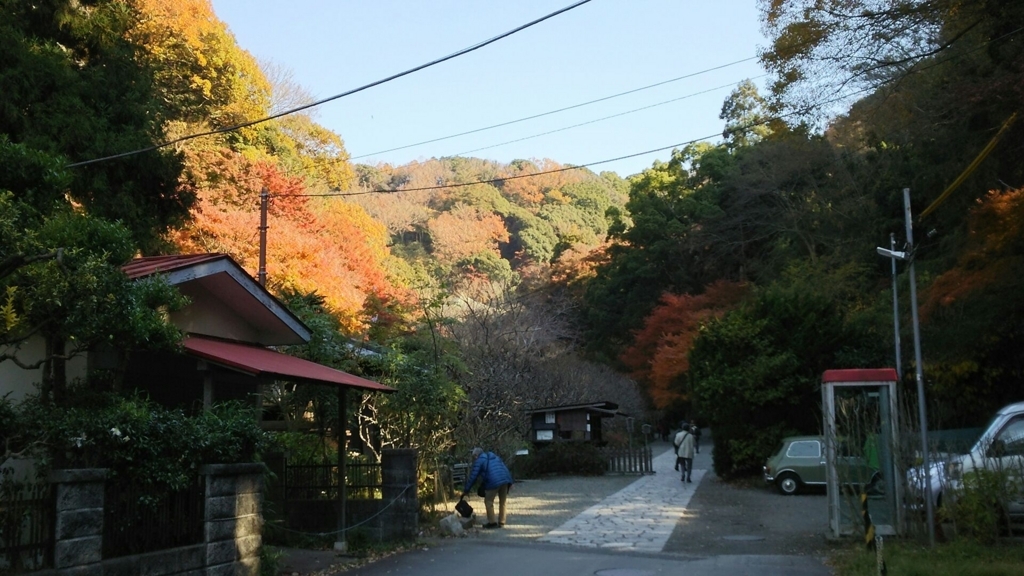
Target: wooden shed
x: 574, y: 422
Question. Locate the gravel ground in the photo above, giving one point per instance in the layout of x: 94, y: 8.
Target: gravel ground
x: 535, y: 507
x: 751, y: 518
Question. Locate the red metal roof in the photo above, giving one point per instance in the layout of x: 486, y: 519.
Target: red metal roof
x: 860, y: 375
x: 142, y: 267
x: 259, y: 361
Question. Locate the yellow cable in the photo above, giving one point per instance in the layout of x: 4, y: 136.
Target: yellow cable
x: 960, y: 179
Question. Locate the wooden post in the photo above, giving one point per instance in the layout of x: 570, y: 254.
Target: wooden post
x: 340, y: 543
x: 261, y: 275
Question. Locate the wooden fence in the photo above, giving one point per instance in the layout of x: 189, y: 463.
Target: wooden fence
x: 628, y: 460
x: 26, y: 526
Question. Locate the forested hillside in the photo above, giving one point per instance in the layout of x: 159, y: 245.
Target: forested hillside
x: 750, y: 266
x: 718, y: 284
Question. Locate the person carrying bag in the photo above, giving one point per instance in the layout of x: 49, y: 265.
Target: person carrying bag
x: 495, y: 480
x: 684, y: 452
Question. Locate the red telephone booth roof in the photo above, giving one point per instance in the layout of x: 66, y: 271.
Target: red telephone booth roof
x: 860, y: 375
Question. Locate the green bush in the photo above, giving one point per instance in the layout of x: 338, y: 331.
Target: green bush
x: 140, y: 442
x: 977, y: 511
x: 563, y: 458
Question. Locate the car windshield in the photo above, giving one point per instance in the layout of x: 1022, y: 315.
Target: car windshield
x: 988, y: 426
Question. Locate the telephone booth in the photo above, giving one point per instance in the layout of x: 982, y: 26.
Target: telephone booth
x: 860, y: 430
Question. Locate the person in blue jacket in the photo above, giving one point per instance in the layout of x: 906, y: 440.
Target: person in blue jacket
x: 496, y: 481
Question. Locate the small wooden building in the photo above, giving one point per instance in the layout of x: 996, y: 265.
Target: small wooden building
x: 574, y: 422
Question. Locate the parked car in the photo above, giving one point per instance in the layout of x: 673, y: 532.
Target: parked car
x: 800, y: 461
x: 999, y: 449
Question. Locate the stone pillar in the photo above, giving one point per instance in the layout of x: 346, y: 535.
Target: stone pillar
x: 233, y: 518
x: 398, y: 472
x: 78, y: 526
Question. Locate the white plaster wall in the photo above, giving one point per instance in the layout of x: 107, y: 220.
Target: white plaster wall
x: 19, y: 383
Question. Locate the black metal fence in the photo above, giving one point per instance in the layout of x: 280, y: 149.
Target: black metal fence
x: 26, y: 526
x: 320, y: 481
x: 136, y: 521
x: 628, y: 460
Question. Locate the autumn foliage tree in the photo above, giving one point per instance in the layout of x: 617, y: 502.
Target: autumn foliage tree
x: 659, y: 355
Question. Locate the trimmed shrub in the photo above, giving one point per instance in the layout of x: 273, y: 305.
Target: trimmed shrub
x: 563, y: 458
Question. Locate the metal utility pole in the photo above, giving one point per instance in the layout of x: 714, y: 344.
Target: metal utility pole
x: 919, y: 376
x: 262, y: 275
x: 896, y: 310
x: 908, y: 255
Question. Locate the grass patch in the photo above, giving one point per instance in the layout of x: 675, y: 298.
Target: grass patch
x: 960, y: 558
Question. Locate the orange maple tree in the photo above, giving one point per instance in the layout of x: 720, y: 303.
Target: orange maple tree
x: 991, y: 253
x: 660, y: 351
x: 464, y: 231
x: 325, y: 245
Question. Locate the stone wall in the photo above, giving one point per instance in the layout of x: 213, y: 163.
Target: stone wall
x: 232, y: 528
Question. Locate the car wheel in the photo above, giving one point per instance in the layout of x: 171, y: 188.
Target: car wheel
x: 788, y: 484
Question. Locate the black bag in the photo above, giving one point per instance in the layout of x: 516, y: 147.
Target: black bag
x: 480, y: 491
x: 464, y: 509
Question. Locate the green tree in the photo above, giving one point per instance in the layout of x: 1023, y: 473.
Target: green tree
x: 653, y: 256
x: 62, y: 65
x: 746, y: 116
x: 755, y: 374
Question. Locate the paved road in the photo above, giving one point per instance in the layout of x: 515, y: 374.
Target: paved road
x: 640, y: 517
x: 632, y: 530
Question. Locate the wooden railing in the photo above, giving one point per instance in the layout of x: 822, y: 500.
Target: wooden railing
x: 628, y: 460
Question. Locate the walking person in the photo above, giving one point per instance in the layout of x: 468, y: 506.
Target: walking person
x: 675, y: 444
x: 495, y: 480
x: 684, y: 442
x: 695, y: 430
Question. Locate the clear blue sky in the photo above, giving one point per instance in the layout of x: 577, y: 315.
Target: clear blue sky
x: 596, y: 50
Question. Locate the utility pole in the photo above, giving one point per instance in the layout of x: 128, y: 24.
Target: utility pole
x: 262, y: 275
x: 896, y: 309
x: 919, y: 376
x: 908, y: 255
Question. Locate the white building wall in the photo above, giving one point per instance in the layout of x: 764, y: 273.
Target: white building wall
x: 20, y: 383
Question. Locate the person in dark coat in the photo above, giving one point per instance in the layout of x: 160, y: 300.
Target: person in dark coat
x: 496, y: 481
x: 695, y: 430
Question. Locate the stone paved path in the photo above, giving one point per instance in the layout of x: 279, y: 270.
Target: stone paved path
x: 641, y: 516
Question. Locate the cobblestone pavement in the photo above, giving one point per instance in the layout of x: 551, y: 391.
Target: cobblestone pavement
x: 629, y: 513
x: 640, y: 517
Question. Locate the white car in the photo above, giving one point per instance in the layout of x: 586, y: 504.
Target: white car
x: 999, y: 449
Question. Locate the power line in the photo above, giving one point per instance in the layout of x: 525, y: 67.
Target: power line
x: 601, y: 119
x: 578, y: 166
x: 323, y: 161
x: 662, y: 83
x: 337, y: 96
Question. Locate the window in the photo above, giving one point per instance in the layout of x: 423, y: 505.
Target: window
x: 1012, y: 437
x: 549, y: 417
x: 804, y: 449
x: 543, y: 435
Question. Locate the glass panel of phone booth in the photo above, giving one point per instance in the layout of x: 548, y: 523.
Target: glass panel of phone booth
x: 860, y: 441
